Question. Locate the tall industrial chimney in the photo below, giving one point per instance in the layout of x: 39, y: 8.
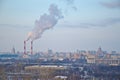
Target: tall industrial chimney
x: 31, y: 47
x: 24, y: 47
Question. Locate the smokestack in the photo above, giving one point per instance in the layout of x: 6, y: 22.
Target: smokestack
x: 24, y: 47
x: 31, y: 47
x: 45, y: 22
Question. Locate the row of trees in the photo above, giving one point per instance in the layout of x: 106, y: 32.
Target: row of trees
x: 2, y: 73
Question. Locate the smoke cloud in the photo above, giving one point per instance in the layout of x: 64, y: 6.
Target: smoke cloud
x: 70, y: 3
x: 45, y: 22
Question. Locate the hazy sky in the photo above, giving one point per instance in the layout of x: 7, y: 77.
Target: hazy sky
x: 86, y: 25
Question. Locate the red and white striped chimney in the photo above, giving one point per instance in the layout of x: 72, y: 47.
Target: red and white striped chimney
x: 31, y: 47
x: 24, y: 47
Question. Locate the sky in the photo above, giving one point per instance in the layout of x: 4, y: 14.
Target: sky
x: 85, y: 25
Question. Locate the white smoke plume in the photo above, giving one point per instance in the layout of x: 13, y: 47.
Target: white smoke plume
x: 45, y: 22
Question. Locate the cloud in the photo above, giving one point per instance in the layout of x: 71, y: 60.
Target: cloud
x: 70, y: 3
x: 102, y: 23
x: 74, y: 8
x: 111, y: 21
x: 15, y: 26
x: 114, y: 4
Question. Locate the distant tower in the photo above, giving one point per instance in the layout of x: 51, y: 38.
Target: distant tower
x: 13, y: 50
x: 50, y: 51
x: 99, y: 51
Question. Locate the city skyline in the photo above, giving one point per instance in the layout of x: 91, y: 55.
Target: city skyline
x: 85, y: 25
